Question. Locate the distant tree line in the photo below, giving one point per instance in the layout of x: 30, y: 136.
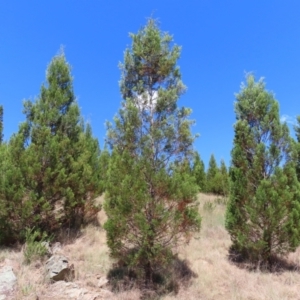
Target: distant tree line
x: 215, y: 180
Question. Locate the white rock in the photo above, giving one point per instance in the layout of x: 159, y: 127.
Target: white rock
x: 102, y: 282
x: 7, y: 281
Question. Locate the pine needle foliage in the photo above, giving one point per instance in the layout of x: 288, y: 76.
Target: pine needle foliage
x: 217, y: 179
x: 263, y: 213
x: 53, y: 160
x: 211, y: 174
x: 223, y: 180
x: 297, y: 131
x: 1, y: 124
x: 150, y: 192
x: 198, y: 171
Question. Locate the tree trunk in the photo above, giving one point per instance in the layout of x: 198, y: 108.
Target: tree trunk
x: 148, y: 273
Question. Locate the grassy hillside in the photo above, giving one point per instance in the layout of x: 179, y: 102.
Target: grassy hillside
x: 206, y: 255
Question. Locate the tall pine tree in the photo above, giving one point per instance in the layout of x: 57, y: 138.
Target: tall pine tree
x: 1, y: 124
x: 263, y: 213
x: 223, y: 180
x: 54, y: 159
x: 211, y: 174
x: 151, y: 193
x: 198, y: 171
x: 297, y: 130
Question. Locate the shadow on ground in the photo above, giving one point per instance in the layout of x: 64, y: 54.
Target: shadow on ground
x: 275, y: 264
x: 170, y: 279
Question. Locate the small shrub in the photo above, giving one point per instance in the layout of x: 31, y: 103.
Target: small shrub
x: 35, y: 247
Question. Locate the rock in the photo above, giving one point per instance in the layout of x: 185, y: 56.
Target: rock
x: 47, y: 247
x: 7, y: 281
x: 102, y: 282
x: 56, y: 248
x: 52, y: 249
x: 57, y: 267
x: 72, y: 291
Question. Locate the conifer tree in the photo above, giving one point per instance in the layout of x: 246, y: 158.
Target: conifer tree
x: 211, y: 174
x: 150, y: 194
x: 104, y: 166
x: 224, y: 179
x: 217, y: 181
x: 3, y: 151
x: 199, y: 172
x: 13, y: 210
x: 1, y: 124
x: 263, y: 213
x: 297, y: 130
x: 54, y: 159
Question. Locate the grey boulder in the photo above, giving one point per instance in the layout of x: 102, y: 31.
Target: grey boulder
x: 57, y: 267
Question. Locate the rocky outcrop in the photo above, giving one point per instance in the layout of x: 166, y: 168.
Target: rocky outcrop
x: 72, y: 291
x: 57, y: 268
x: 7, y: 281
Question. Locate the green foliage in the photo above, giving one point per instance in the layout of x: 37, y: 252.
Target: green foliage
x: 198, y: 171
x: 263, y: 211
x: 1, y: 124
x: 103, y: 166
x: 52, y: 164
x: 211, y: 174
x: 35, y: 247
x: 217, y: 179
x: 297, y: 131
x: 222, y: 181
x: 150, y: 192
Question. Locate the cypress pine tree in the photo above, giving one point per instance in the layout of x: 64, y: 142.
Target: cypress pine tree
x: 297, y: 130
x: 199, y: 172
x: 54, y: 159
x: 224, y: 179
x: 1, y: 124
x: 14, y: 210
x: 211, y: 174
x: 217, y: 180
x: 104, y: 166
x: 5, y: 226
x: 263, y: 213
x: 150, y: 194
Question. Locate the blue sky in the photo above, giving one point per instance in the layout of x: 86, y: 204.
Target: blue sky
x: 221, y: 40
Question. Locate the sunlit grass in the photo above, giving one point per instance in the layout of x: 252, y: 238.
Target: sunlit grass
x: 207, y: 254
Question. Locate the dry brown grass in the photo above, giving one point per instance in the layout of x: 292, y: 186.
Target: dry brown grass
x: 218, y: 278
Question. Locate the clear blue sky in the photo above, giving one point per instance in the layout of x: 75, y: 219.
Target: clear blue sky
x: 221, y: 40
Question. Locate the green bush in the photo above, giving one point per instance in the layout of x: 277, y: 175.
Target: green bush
x: 36, y: 245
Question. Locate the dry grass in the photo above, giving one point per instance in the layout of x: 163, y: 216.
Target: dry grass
x: 207, y: 254
x: 218, y: 278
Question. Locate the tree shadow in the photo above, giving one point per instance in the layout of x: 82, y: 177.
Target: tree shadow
x: 169, y: 279
x: 67, y: 235
x: 276, y: 264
